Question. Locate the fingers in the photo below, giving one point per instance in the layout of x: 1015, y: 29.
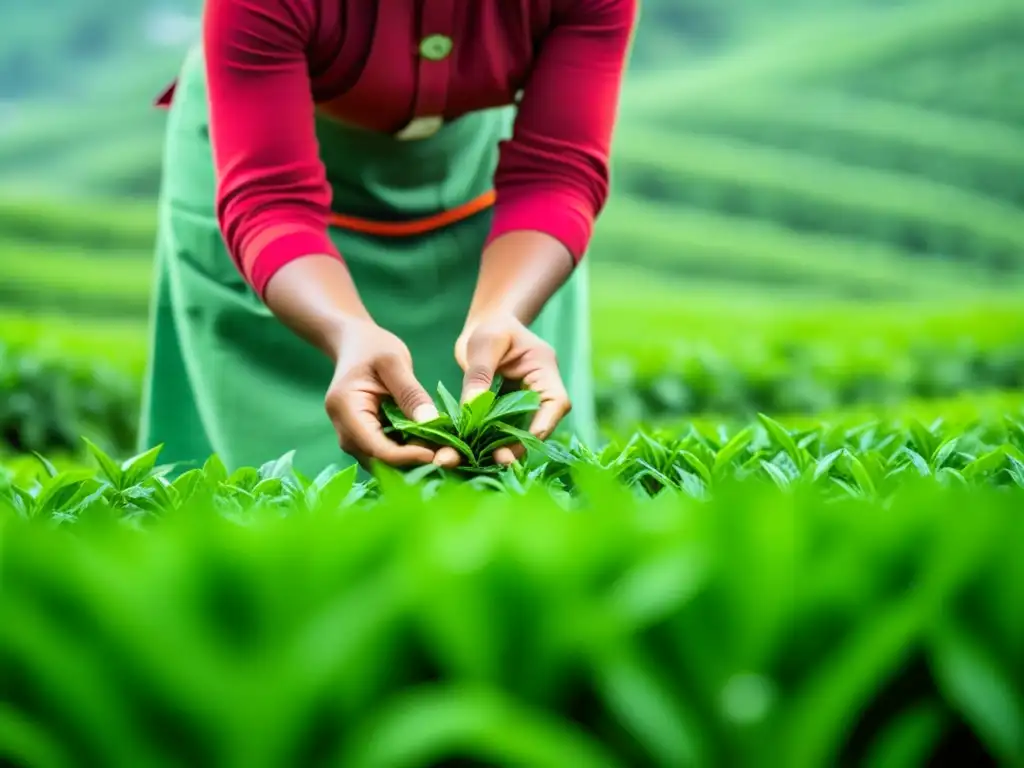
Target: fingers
x: 355, y: 418
x: 397, y: 375
x: 546, y: 381
x: 550, y: 414
x: 447, y: 457
x: 509, y: 454
x: 485, y: 351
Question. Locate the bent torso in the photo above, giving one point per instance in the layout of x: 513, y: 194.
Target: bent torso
x: 389, y: 67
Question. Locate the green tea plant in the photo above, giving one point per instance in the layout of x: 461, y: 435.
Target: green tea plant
x: 867, y: 460
x: 46, y: 404
x: 475, y: 429
x: 501, y: 629
x: 48, y: 397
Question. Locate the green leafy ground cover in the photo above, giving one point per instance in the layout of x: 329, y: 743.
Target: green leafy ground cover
x: 858, y: 459
x: 261, y: 618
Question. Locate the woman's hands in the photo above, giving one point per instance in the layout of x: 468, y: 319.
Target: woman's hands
x: 316, y: 297
x: 503, y: 345
x: 372, y: 365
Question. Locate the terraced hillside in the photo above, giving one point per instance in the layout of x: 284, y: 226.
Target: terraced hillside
x: 898, y: 152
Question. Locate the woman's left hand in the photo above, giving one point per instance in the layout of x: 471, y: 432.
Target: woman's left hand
x: 502, y: 345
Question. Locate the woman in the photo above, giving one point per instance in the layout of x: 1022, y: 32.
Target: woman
x: 349, y: 192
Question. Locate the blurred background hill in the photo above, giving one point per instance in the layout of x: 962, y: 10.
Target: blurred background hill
x: 818, y: 203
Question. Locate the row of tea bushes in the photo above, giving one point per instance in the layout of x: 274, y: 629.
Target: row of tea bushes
x: 885, y: 135
x: 865, y: 460
x: 800, y: 380
x: 49, y: 399
x: 47, y: 403
x: 500, y: 629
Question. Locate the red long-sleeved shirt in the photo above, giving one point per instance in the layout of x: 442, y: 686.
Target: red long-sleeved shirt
x: 270, y: 61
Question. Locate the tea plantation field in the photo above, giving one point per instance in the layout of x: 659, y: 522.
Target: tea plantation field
x: 827, y: 597
x: 796, y: 545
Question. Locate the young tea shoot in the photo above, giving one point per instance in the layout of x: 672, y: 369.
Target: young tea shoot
x: 475, y: 429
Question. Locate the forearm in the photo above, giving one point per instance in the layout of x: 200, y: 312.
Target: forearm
x: 519, y: 273
x: 316, y: 298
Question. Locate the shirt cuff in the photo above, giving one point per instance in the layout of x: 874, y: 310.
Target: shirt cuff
x: 564, y: 217
x: 266, y: 255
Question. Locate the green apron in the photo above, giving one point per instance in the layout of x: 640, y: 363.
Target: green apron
x: 226, y: 377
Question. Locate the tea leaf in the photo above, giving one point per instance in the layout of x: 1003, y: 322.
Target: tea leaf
x: 439, y: 437
x: 501, y: 441
x: 58, y: 490
x: 785, y: 441
x: 944, y: 451
x: 185, y: 484
x: 214, y: 471
x: 776, y: 474
x: 917, y: 461
x: 698, y: 466
x: 48, y: 466
x: 451, y: 406
x: 981, y: 689
x: 139, y: 467
x: 861, y: 474
x: 245, y: 478
x: 108, y: 466
x: 516, y: 403
x: 474, y: 412
x: 985, y: 464
x: 731, y: 450
x: 334, y: 493
x: 281, y: 468
x: 530, y: 441
x: 394, y: 414
x: 823, y: 465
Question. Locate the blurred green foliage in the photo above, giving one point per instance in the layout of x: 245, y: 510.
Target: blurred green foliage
x: 47, y: 404
x: 500, y: 629
x: 712, y: 359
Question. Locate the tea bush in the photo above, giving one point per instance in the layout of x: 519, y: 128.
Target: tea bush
x: 268, y: 621
x: 868, y: 459
x: 46, y: 404
x: 51, y: 396
x: 800, y: 379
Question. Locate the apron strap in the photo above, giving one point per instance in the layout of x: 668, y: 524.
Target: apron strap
x: 414, y: 226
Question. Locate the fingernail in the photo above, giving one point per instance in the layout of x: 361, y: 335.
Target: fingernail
x: 424, y: 413
x: 472, y: 394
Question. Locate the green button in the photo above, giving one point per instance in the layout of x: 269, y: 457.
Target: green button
x: 436, y: 47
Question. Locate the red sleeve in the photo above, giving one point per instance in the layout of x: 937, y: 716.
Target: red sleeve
x: 273, y: 200
x: 553, y: 174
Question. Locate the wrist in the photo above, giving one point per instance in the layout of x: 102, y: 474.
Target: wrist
x: 519, y: 272
x: 338, y: 329
x: 316, y: 297
x: 494, y: 315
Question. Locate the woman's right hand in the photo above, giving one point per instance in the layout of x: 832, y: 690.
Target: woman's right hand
x: 374, y: 364
x: 316, y: 297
